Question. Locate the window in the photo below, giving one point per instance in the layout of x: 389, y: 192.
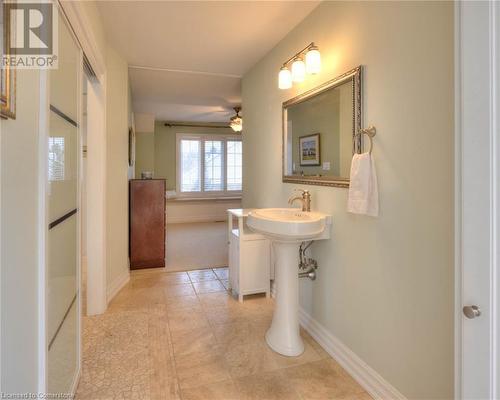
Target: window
x: 190, y: 166
x: 56, y: 158
x: 209, y: 165
x: 234, y: 164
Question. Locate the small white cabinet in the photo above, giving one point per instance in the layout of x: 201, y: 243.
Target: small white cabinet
x: 249, y: 257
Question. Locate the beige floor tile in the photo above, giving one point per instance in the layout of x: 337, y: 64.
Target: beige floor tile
x: 226, y: 315
x: 160, y: 280
x: 199, y: 340
x: 163, y: 377
x: 322, y: 379
x: 226, y: 390
x: 357, y: 396
x: 235, y: 334
x: 309, y: 355
x: 260, y: 328
x: 202, y: 275
x: 315, y: 345
x: 272, y: 385
x: 136, y: 299
x: 244, y: 360
x: 179, y: 303
x: 222, y: 273
x: 218, y: 299
x: 208, y: 287
x: 186, y: 319
x: 196, y: 369
x: 160, y: 340
x: 179, y: 290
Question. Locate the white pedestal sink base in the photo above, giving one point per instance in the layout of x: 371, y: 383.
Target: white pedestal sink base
x: 284, y: 334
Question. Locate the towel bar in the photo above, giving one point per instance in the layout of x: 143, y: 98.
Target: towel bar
x: 371, y: 131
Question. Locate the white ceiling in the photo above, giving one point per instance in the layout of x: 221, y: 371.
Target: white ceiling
x: 192, y: 54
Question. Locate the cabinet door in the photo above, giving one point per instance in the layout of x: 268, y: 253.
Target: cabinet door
x: 234, y: 273
x: 255, y: 266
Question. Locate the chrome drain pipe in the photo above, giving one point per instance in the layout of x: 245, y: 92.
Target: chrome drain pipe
x: 311, y: 274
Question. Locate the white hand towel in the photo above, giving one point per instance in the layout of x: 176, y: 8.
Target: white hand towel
x: 363, y: 188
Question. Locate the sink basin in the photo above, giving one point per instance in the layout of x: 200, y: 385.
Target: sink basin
x: 288, y: 224
x: 287, y: 228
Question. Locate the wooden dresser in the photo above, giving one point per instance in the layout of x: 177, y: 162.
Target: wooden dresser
x: 147, y: 223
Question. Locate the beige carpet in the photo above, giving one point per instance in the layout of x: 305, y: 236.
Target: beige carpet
x: 196, y: 245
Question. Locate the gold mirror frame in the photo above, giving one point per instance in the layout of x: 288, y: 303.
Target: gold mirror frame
x: 353, y: 75
x: 7, y: 74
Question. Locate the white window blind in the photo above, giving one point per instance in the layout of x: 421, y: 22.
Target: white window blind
x: 209, y: 165
x: 190, y: 165
x: 234, y: 165
x: 213, y: 166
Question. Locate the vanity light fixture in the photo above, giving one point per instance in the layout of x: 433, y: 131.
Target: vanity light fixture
x: 285, y: 78
x: 312, y: 65
x: 236, y: 123
x: 313, y: 60
x: 298, y: 70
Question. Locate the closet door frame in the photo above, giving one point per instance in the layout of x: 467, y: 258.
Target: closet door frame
x: 43, y: 217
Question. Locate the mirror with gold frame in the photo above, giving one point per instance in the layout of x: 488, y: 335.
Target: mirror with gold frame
x: 320, y: 130
x: 7, y: 74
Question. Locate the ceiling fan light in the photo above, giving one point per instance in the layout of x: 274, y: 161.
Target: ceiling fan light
x: 236, y: 122
x: 236, y: 126
x: 298, y: 70
x: 285, y: 78
x: 313, y: 60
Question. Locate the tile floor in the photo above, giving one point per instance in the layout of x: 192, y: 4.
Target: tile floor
x: 183, y: 336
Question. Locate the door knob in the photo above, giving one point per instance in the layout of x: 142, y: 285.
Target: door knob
x: 472, y: 311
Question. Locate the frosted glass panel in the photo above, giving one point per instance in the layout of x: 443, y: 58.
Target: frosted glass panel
x: 62, y: 179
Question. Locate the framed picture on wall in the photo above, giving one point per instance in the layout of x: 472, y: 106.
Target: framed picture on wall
x: 7, y: 74
x: 309, y: 147
x: 131, y: 147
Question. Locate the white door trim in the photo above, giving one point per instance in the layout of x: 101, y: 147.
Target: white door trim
x: 477, y: 157
x: 96, y: 159
x: 96, y: 198
x: 80, y: 24
x: 43, y: 223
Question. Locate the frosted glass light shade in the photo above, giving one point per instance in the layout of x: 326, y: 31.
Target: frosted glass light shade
x: 298, y: 70
x: 285, y: 78
x: 313, y: 61
x: 236, y: 124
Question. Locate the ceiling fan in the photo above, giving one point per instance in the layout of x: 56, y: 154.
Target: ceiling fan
x: 236, y: 122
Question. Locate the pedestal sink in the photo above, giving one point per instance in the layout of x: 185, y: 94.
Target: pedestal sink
x: 287, y: 228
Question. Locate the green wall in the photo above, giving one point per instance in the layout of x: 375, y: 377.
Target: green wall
x: 330, y: 115
x: 156, y: 151
x: 144, y: 153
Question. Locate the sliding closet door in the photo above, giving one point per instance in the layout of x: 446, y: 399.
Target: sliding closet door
x: 63, y: 238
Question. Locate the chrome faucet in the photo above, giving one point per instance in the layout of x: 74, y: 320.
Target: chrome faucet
x: 305, y: 199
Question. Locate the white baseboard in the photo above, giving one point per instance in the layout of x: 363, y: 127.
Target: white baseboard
x: 76, y: 381
x: 367, y: 377
x: 117, y: 285
x: 196, y: 218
